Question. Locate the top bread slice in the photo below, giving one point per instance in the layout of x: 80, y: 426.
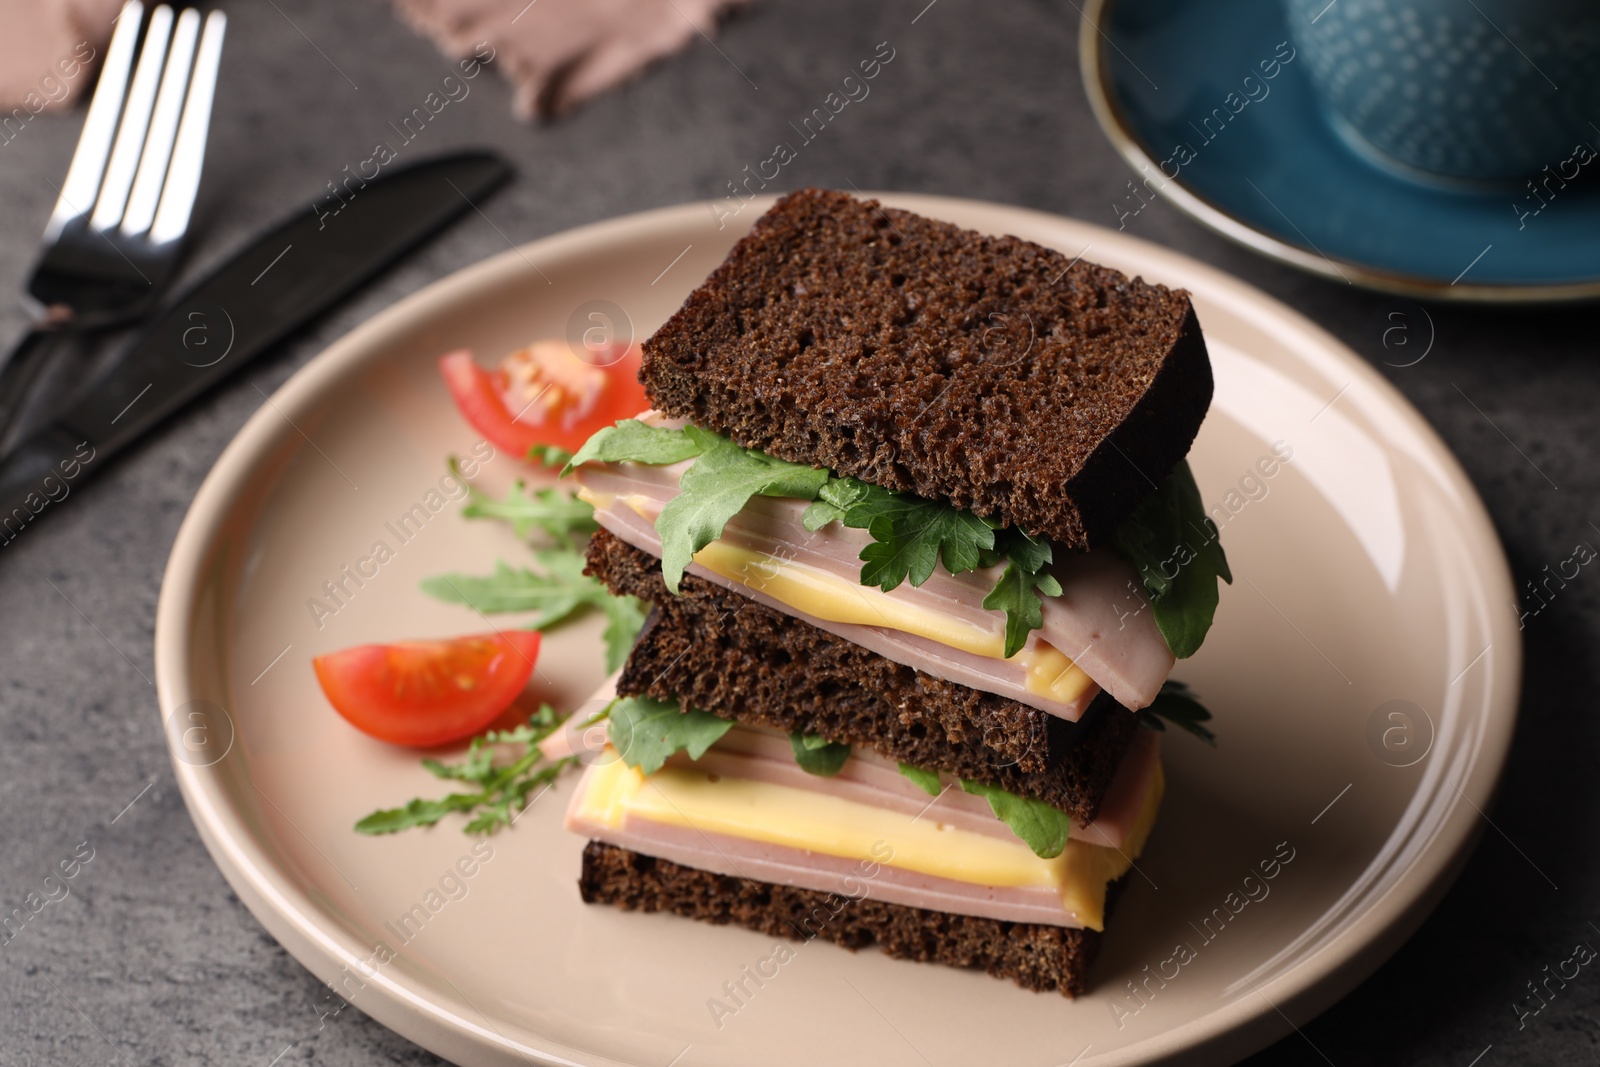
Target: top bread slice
x: 990, y: 372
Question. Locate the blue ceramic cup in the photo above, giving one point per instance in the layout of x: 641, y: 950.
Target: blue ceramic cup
x: 1473, y: 89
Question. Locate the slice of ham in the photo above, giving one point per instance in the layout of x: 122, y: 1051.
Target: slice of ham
x: 1096, y: 621
x: 853, y: 879
x: 761, y: 754
x: 941, y: 661
x: 764, y: 755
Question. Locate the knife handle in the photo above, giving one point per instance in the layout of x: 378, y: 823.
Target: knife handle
x: 272, y: 287
x: 39, y: 472
x: 277, y: 283
x: 19, y: 374
x: 191, y: 346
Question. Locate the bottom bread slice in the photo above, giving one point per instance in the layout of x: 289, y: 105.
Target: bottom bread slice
x: 1034, y: 955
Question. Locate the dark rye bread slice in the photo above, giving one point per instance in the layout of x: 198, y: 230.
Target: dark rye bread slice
x: 713, y: 649
x: 990, y: 372
x: 1033, y: 955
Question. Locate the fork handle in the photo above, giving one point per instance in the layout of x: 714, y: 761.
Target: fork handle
x: 20, y: 371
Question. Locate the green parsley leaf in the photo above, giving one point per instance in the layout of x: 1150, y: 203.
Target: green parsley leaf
x: 549, y: 456
x: 1177, y: 705
x: 818, y: 756
x: 502, y: 790
x: 1017, y: 594
x: 631, y: 441
x: 928, y: 781
x: 910, y: 535
x: 557, y: 513
x: 1017, y: 591
x: 1029, y: 553
x: 1177, y: 550
x: 1041, y: 827
x: 715, y: 489
x: 558, y: 593
x: 645, y: 731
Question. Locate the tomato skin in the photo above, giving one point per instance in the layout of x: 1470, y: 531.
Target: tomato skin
x: 514, y: 409
x: 427, y: 693
x: 472, y: 388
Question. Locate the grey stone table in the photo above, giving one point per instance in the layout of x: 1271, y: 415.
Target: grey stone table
x: 151, y: 960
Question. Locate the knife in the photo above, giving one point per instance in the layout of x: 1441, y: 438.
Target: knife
x: 275, y: 285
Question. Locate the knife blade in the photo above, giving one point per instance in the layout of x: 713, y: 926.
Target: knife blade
x: 271, y: 288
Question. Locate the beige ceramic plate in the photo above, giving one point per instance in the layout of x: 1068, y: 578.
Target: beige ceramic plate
x: 1363, y: 672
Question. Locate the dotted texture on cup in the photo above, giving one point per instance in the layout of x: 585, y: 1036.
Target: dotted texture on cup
x: 1442, y: 88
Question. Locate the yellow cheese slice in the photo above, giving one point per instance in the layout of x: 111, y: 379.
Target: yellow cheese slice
x: 810, y: 821
x: 832, y: 598
x: 822, y: 595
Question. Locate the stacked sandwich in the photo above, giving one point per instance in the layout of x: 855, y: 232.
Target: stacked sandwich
x: 912, y: 512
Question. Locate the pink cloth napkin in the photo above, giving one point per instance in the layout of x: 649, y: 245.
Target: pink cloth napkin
x: 559, y: 53
x: 49, y: 50
x: 556, y: 53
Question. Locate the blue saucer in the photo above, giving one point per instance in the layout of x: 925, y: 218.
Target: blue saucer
x: 1266, y: 167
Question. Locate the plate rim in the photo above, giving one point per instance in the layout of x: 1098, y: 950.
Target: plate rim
x: 1112, y: 119
x: 442, y: 1023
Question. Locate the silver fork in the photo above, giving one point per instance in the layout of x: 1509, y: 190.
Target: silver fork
x: 114, y: 237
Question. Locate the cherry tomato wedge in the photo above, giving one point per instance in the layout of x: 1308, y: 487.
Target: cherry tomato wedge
x: 425, y: 693
x: 545, y: 395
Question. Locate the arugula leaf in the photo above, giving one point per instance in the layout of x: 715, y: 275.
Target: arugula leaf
x: 416, y: 812
x: 564, y: 568
x: 557, y: 513
x: 910, y: 535
x: 556, y: 594
x: 645, y: 731
x: 508, y: 589
x: 1177, y: 705
x: 549, y: 456
x: 834, y: 501
x: 631, y: 441
x: 818, y: 756
x: 625, y: 617
x: 1138, y: 542
x: 502, y: 791
x: 1177, y: 550
x: 1041, y: 827
x: 1184, y: 616
x: 819, y: 513
x: 927, y: 781
x: 715, y: 489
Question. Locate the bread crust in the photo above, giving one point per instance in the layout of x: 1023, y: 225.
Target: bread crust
x: 989, y: 372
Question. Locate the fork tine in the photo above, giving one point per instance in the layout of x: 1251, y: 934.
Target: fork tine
x: 135, y: 119
x: 94, y: 144
x: 183, y: 177
x: 163, y: 130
